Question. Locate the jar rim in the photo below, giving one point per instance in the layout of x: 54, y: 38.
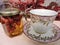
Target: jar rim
x: 9, y: 12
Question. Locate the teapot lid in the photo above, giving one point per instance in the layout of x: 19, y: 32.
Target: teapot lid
x: 9, y: 12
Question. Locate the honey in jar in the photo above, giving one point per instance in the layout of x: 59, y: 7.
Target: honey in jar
x: 11, y: 21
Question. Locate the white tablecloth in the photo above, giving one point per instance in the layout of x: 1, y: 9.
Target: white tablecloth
x: 22, y: 39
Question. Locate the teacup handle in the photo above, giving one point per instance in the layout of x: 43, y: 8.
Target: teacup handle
x: 27, y: 15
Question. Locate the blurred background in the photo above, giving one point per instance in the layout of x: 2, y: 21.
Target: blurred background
x: 33, y: 4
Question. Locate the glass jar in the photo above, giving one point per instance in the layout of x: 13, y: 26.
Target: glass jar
x: 11, y: 21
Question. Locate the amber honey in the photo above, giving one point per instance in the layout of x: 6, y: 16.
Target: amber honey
x: 12, y: 22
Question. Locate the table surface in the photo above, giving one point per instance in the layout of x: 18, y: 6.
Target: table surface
x: 22, y: 39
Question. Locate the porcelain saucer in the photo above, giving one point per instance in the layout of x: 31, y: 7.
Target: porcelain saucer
x: 30, y: 33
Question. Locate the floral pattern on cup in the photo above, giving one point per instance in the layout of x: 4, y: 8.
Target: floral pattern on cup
x: 42, y: 20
